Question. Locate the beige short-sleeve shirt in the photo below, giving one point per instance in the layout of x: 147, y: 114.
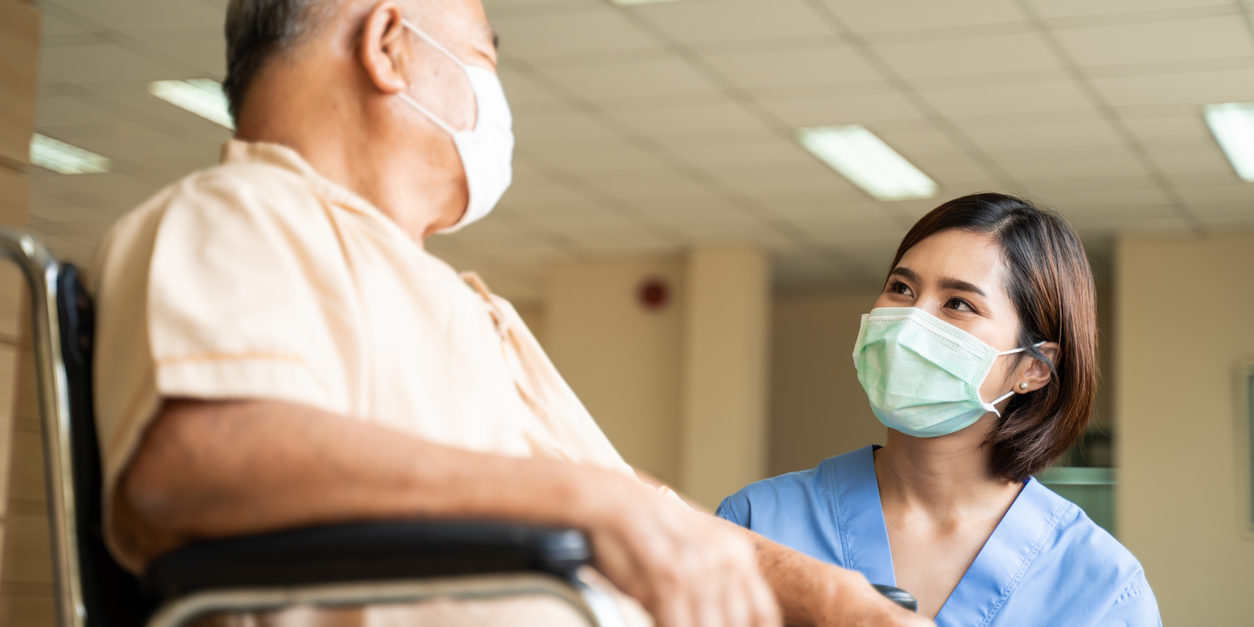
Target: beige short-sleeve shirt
x: 260, y: 279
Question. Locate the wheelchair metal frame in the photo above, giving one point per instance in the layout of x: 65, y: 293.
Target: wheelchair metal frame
x: 41, y: 270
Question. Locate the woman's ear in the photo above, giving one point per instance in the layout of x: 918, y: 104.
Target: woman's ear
x: 1035, y: 373
x: 381, y: 48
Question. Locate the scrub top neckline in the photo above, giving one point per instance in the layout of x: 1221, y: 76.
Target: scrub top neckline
x: 991, y: 578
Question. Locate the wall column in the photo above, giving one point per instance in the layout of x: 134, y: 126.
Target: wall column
x: 25, y: 567
x: 723, y: 433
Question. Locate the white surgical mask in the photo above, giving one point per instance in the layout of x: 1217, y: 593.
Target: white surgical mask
x: 487, y: 150
x: 922, y: 374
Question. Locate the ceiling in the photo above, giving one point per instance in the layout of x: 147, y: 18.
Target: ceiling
x: 654, y: 129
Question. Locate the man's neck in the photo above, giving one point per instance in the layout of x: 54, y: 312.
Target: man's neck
x: 408, y: 183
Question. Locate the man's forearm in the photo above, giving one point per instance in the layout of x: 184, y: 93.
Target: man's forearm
x: 215, y: 469
x: 811, y: 592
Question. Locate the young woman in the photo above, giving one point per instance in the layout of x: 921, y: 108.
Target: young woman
x: 980, y: 356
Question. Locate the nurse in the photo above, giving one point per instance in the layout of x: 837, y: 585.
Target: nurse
x: 980, y: 357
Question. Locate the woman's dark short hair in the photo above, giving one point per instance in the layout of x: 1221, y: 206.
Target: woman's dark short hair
x: 1051, y: 285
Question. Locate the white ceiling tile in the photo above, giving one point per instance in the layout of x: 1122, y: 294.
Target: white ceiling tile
x: 986, y: 56
x: 54, y: 111
x: 642, y: 80
x: 524, y: 93
x: 1090, y: 164
x: 861, y: 106
x: 1126, y: 218
x: 1000, y: 100
x: 720, y: 21
x: 847, y: 223
x: 1199, y: 158
x: 1226, y: 218
x: 890, y: 16
x: 589, y: 29
x: 52, y: 26
x: 601, y: 156
x: 143, y: 14
x: 672, y: 120
x: 205, y: 56
x: 925, y: 140
x: 132, y: 142
x: 1158, y: 42
x: 103, y: 63
x: 1163, y: 131
x: 956, y: 170
x: 739, y: 148
x: 559, y: 124
x: 491, y: 6
x: 780, y: 186
x: 1065, y: 198
x: 1238, y: 193
x: 1084, y: 8
x: 1197, y: 87
x: 1056, y: 137
x: 816, y: 65
x: 657, y: 186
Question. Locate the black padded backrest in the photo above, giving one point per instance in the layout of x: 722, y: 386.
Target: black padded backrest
x: 110, y: 594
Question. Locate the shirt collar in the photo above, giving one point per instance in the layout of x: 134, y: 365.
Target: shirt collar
x: 280, y: 156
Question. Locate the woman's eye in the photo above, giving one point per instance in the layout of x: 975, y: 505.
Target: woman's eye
x: 958, y: 304
x: 897, y: 287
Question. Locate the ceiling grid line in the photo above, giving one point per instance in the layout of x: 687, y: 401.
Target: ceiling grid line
x: 741, y: 203
x: 847, y: 34
x: 803, y: 240
x: 1165, y: 186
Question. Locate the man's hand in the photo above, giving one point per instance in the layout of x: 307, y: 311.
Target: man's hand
x: 685, y: 568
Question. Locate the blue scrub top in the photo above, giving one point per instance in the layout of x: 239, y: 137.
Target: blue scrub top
x: 1046, y: 563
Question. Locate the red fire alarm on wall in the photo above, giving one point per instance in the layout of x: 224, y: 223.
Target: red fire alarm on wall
x: 654, y: 293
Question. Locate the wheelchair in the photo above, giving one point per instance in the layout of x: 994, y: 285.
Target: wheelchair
x: 352, y: 564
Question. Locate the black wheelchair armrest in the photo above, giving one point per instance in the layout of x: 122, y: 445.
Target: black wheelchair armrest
x: 368, y: 551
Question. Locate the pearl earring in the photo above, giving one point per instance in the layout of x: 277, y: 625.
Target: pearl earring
x: 1023, y: 385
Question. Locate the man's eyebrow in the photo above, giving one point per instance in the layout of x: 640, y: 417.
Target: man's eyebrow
x: 496, y: 39
x: 946, y: 283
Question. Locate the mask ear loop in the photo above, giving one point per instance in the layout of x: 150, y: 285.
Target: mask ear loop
x: 1011, y: 392
x: 444, y: 126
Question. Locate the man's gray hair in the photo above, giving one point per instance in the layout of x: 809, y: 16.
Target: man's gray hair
x: 256, y: 30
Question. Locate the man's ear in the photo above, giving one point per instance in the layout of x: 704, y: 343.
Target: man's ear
x: 381, y: 48
x: 1036, y: 373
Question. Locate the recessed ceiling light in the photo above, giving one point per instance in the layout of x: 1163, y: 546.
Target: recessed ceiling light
x: 1233, y: 126
x: 866, y: 160
x: 63, y: 158
x: 201, y: 96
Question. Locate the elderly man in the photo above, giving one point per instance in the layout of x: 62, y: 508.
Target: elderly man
x: 279, y: 350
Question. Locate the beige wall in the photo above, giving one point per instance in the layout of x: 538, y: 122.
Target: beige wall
x: 818, y: 409
x: 622, y: 360
x: 680, y: 390
x: 724, y: 429
x: 1184, y: 316
x: 25, y: 571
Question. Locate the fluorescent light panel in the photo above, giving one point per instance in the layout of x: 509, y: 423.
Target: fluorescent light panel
x: 867, y: 161
x: 201, y: 96
x: 1232, y: 124
x: 63, y: 158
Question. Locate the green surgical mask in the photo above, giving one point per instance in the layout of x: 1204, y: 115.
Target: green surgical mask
x: 922, y: 374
